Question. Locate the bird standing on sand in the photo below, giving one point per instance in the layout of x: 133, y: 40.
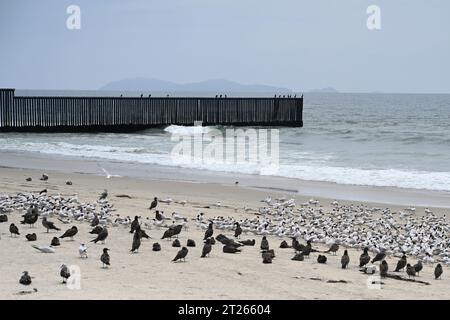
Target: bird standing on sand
x: 31, y: 216
x: 401, y: 264
x: 49, y: 225
x: 96, y: 230
x: 95, y: 221
x: 206, y: 248
x: 438, y: 271
x: 136, y: 242
x: 134, y: 224
x: 364, y: 258
x: 248, y: 242
x: 267, y: 257
x: 410, y: 271
x: 230, y: 249
x: 101, y: 236
x: 238, y: 230
x: 44, y: 177
x: 209, y: 232
x: 345, y: 260
x: 55, y: 242
x: 321, y: 259
x: 379, y: 257
x: 383, y: 268
x: 154, y: 203
x: 103, y: 195
x: 156, y: 247
x: 181, y: 254
x: 104, y: 258
x: 14, y: 230
x: 264, y: 244
x: 31, y: 237
x: 333, y: 249
x: 25, y: 279
x: 418, y: 267
x: 82, y: 250
x: 64, y: 273
x: 70, y: 233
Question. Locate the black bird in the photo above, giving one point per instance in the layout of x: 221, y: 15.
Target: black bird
x: 321, y: 259
x: 238, y: 230
x: 264, y: 244
x: 230, y: 249
x: 31, y: 237
x: 136, y: 242
x: 438, y: 271
x: 142, y: 233
x: 383, y: 268
x: 410, y: 271
x: 176, y: 229
x: 176, y: 243
x: 101, y: 236
x: 31, y: 216
x: 96, y: 230
x: 25, y: 279
x: 298, y: 257
x: 401, y: 264
x: 297, y: 245
x: 190, y: 243
x: 69, y: 183
x: 64, y: 273
x: 206, y: 248
x: 103, y: 195
x: 333, y: 249
x: 267, y: 257
x: 307, y: 249
x: 227, y: 241
x: 95, y: 221
x: 13, y: 229
x: 55, y: 242
x: 248, y: 242
x: 44, y: 177
x: 134, y: 224
x: 169, y: 233
x: 418, y: 267
x: 209, y: 232
x: 43, y: 191
x: 181, y: 254
x: 156, y: 247
x: 364, y: 258
x: 270, y: 252
x: 3, y: 218
x: 70, y: 233
x: 158, y: 216
x: 154, y: 203
x: 104, y: 258
x: 379, y: 257
x: 29, y: 179
x: 284, y: 245
x: 49, y: 225
x: 345, y: 260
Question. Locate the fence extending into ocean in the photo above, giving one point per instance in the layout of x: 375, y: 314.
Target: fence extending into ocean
x: 64, y: 113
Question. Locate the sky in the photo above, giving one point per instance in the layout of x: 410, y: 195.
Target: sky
x: 300, y: 45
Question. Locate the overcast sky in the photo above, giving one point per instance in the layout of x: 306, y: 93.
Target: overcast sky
x: 296, y: 44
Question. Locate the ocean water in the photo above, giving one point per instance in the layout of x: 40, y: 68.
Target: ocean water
x: 396, y: 140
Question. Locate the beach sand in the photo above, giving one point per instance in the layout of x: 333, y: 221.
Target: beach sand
x: 152, y: 275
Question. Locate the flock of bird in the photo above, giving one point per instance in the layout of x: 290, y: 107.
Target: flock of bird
x: 381, y: 232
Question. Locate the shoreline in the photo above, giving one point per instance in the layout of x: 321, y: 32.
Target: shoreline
x: 320, y: 189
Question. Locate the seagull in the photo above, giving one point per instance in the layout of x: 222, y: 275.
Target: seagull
x: 49, y: 225
x: 64, y: 273
x: 82, y: 250
x: 107, y: 174
x: 44, y: 249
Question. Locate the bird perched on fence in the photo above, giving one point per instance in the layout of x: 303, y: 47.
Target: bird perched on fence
x: 104, y: 258
x: 181, y: 254
x: 70, y: 233
x: 345, y: 260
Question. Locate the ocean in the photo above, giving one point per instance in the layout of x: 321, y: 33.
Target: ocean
x: 395, y: 140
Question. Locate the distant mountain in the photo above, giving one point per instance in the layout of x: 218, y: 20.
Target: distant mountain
x: 216, y: 86
x: 325, y: 90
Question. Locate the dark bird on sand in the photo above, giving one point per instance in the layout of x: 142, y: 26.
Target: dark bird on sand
x: 55, y: 242
x: 333, y: 249
x: 136, y: 242
x: 212, y: 241
x: 49, y: 225
x: 298, y: 257
x: 181, y: 254
x: 267, y: 257
x: 69, y: 183
x: 176, y: 243
x: 44, y: 191
x: 264, y: 244
x: 206, y: 248
x: 101, y: 236
x: 156, y: 247
x: 70, y: 233
x: 345, y: 260
x: 104, y: 258
x: 383, y: 268
x: 64, y: 273
x: 169, y: 233
x: 438, y: 271
x: 25, y: 279
x: 31, y: 237
x: 270, y: 252
x: 401, y: 264
x: 248, y: 242
x: 31, y: 216
x: 158, y: 216
x: 3, y: 218
x: 103, y: 195
x: 238, y: 230
x: 44, y: 177
x: 28, y: 179
x: 142, y: 233
x: 410, y: 271
x: 308, y: 249
x: 95, y: 221
x: 379, y: 257
x: 134, y: 224
x: 321, y: 259
x: 190, y: 243
x: 284, y: 245
x: 172, y: 231
x: 154, y: 203
x: 13, y: 230
x: 418, y: 267
x: 96, y: 230
x: 227, y: 241
x: 364, y: 258
x: 209, y: 232
x: 230, y: 249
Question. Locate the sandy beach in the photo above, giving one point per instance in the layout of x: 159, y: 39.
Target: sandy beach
x: 152, y: 275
